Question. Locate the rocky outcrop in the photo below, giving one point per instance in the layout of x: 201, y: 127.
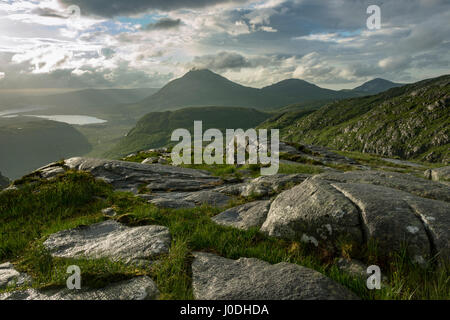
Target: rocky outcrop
x: 400, y: 181
x: 9, y: 276
x: 353, y: 267
x: 388, y: 219
x: 321, y: 211
x: 264, y: 186
x: 188, y: 199
x: 130, y: 176
x: 314, y: 212
x: 248, y: 215
x: 139, y: 288
x: 218, y: 278
x: 111, y: 240
x: 438, y: 174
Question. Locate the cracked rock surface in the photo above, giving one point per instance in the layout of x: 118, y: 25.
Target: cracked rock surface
x: 111, y: 240
x: 329, y: 206
x: 188, y: 199
x: 218, y: 278
x: 139, y: 288
x: 130, y: 176
x: 9, y: 276
x: 248, y: 215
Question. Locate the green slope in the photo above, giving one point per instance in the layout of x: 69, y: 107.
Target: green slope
x: 411, y: 122
x: 155, y: 128
x: 27, y: 144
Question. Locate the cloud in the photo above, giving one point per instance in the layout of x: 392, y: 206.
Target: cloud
x: 221, y: 61
x: 316, y: 68
x: 112, y: 8
x: 254, y: 42
x: 394, y: 63
x: 121, y: 76
x: 48, y: 12
x: 163, y: 24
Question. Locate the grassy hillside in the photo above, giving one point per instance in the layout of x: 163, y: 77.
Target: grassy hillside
x: 155, y: 128
x: 27, y: 144
x: 411, y: 122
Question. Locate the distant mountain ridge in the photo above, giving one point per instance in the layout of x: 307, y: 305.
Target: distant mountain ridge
x: 101, y: 97
x: 376, y: 85
x: 296, y: 91
x: 95, y: 102
x: 206, y: 88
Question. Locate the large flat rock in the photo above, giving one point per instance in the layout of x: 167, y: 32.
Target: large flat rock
x: 139, y: 288
x: 130, y: 176
x: 111, y: 240
x: 218, y: 278
x: 401, y: 181
x: 388, y: 219
x: 314, y: 212
x: 248, y: 215
x: 322, y: 211
x: 177, y: 200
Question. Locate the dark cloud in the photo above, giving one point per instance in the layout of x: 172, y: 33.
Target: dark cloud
x: 47, y: 12
x: 163, y: 24
x: 107, y: 52
x: 111, y: 8
x: 122, y: 76
x: 221, y: 61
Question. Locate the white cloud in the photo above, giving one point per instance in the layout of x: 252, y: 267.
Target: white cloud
x: 322, y: 42
x: 394, y: 62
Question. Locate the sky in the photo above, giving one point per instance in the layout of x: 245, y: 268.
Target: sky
x: 146, y: 43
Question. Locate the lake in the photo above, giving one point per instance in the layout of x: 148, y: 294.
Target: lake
x: 72, y: 119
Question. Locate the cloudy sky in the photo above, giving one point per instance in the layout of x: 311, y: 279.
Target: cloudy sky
x: 146, y: 43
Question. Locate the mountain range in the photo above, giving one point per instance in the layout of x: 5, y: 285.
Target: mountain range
x: 410, y: 121
x: 195, y: 88
x: 206, y: 88
x: 376, y: 85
